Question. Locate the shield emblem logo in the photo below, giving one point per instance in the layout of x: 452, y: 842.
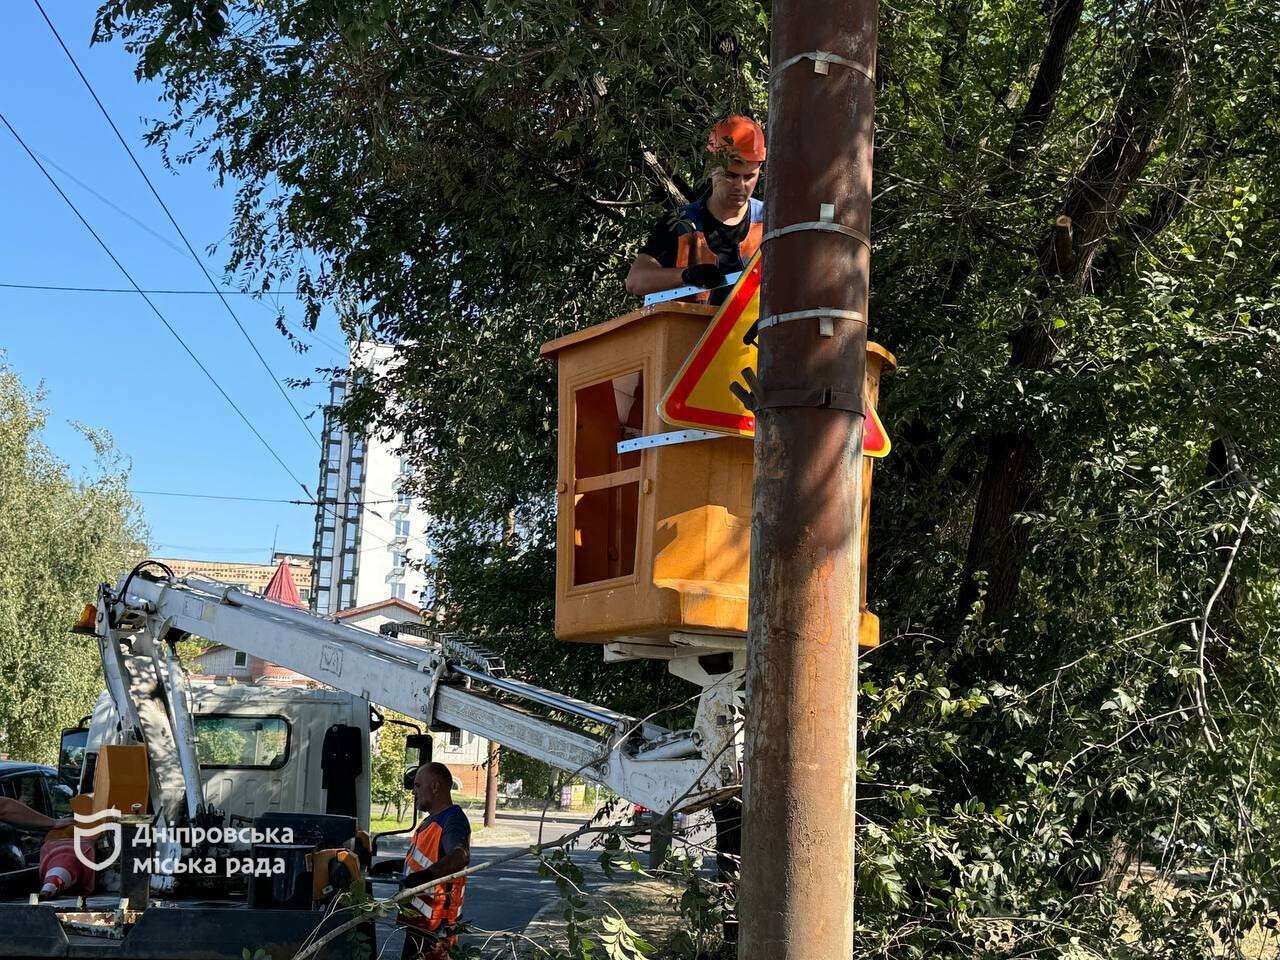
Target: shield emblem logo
x: 88, y: 827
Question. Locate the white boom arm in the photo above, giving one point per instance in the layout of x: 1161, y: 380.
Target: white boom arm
x: 438, y: 681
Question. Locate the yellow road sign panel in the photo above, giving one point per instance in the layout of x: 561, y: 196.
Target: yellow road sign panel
x: 699, y: 395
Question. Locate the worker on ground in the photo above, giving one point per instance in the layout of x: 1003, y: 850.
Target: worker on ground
x: 716, y: 235
x: 440, y: 845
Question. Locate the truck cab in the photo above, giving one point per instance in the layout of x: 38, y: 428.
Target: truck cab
x: 268, y: 749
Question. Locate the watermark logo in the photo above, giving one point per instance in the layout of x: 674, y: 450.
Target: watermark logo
x: 89, y: 826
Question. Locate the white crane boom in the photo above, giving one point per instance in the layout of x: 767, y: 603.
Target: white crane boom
x: 437, y: 681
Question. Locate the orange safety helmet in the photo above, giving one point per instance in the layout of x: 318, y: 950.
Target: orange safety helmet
x: 739, y: 136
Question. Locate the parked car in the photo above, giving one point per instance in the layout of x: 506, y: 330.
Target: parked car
x: 41, y: 789
x: 643, y: 819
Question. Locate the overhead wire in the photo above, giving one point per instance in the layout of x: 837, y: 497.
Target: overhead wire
x: 215, y: 289
x: 311, y: 502
x: 69, y: 289
x: 107, y: 201
x: 173, y: 220
x: 221, y: 496
x: 150, y: 303
x: 138, y: 290
x: 205, y: 548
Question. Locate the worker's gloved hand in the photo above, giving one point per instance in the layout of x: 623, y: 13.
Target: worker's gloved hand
x: 705, y: 275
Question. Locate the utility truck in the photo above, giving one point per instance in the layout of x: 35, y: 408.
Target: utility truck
x: 238, y: 812
x: 653, y: 540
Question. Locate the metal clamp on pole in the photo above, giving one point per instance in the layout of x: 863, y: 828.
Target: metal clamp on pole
x: 826, y: 221
x: 822, y: 60
x: 829, y: 398
x: 825, y: 314
x: 826, y: 225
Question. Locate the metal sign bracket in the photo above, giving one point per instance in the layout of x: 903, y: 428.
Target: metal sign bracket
x: 663, y: 296
x: 666, y: 439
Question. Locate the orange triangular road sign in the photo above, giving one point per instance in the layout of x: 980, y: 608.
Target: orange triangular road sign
x: 699, y: 397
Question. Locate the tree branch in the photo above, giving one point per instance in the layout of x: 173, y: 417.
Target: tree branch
x: 1028, y: 129
x: 381, y: 906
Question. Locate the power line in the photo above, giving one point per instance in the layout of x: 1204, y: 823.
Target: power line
x: 129, y: 290
x: 150, y: 303
x: 114, y: 206
x: 207, y: 549
x: 220, y: 496
x: 173, y: 220
x: 313, y: 502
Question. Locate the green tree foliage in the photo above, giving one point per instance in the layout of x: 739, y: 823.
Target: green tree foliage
x: 387, y: 769
x: 539, y: 782
x: 222, y: 742
x: 1068, y: 743
x: 478, y: 191
x: 60, y: 536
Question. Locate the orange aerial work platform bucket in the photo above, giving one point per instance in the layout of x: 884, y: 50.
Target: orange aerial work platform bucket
x: 652, y: 543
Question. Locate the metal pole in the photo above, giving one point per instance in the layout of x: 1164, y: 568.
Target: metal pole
x: 491, y: 787
x: 796, y: 891
x: 660, y: 833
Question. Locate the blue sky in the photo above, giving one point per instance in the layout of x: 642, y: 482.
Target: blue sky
x: 104, y: 359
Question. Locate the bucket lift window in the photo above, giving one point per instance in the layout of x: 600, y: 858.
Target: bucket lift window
x: 606, y: 490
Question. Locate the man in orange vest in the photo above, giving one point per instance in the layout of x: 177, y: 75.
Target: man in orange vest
x: 716, y: 235
x: 440, y: 845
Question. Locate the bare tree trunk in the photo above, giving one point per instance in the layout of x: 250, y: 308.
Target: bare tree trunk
x: 997, y: 542
x: 1028, y: 128
x: 1028, y: 131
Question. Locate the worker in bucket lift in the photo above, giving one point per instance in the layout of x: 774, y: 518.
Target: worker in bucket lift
x: 716, y: 235
x: 440, y: 845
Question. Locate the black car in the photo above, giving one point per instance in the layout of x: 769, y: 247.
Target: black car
x: 41, y: 789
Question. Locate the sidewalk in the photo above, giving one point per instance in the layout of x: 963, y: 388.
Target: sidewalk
x: 499, y: 835
x: 553, y: 815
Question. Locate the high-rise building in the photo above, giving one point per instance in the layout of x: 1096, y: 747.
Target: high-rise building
x: 372, y: 553
x: 371, y: 537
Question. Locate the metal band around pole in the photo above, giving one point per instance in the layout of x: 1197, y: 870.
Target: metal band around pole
x: 826, y: 225
x: 824, y: 314
x: 822, y: 57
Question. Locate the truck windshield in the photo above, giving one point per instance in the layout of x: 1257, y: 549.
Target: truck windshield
x: 239, y: 742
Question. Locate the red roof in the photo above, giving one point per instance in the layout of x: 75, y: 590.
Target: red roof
x: 282, y: 589
x: 394, y: 602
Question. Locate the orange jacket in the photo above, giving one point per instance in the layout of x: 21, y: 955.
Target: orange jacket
x: 440, y: 907
x: 691, y: 248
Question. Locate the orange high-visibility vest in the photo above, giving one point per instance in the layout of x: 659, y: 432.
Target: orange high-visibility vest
x: 440, y: 907
x: 692, y: 247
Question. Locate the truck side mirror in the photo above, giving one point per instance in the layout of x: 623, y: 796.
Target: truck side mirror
x: 71, y: 750
x: 417, y: 751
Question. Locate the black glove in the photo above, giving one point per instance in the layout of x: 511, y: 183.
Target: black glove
x: 705, y: 275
